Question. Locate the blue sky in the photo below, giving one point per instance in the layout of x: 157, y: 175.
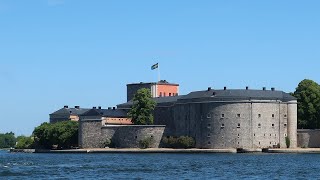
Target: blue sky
x: 68, y: 52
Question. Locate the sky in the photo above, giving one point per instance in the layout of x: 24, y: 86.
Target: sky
x: 69, y: 52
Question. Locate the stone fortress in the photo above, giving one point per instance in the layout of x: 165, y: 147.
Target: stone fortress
x: 215, y: 118
x: 235, y: 118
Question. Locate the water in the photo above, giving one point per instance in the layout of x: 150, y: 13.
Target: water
x: 159, y: 166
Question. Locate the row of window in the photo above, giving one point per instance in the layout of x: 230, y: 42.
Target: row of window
x: 259, y: 125
x: 209, y: 143
x: 239, y: 115
x: 275, y: 135
x: 170, y: 94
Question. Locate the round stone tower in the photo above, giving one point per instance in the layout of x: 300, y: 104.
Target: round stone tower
x: 292, y: 123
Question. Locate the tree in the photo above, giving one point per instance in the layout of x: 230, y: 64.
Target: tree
x: 24, y: 142
x: 308, y: 95
x: 7, y: 140
x: 141, y: 112
x: 64, y: 134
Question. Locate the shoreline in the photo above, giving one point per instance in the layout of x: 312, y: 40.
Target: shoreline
x: 168, y: 150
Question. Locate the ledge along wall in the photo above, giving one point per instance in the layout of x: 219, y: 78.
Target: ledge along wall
x: 93, y: 135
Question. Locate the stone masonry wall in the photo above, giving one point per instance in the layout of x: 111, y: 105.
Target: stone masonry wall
x: 308, y: 138
x: 131, y: 135
x: 90, y: 134
x: 246, y: 124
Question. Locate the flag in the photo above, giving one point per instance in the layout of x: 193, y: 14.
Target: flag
x: 155, y: 66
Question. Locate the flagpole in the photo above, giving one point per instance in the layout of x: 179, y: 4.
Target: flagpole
x: 158, y: 72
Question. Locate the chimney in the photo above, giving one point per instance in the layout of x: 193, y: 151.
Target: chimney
x: 214, y: 93
x: 66, y: 106
x: 264, y: 88
x: 247, y: 87
x: 99, y: 107
x: 209, y: 88
x: 94, y: 107
x: 225, y: 88
x: 273, y: 89
x: 109, y: 108
x: 77, y: 107
x: 114, y: 108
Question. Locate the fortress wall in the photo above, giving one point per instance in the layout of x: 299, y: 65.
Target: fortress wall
x: 90, y: 133
x: 131, y: 135
x: 164, y: 115
x: 283, y: 124
x: 292, y: 123
x: 216, y: 124
x: 226, y: 125
x: 308, y: 138
x: 133, y: 88
x: 108, y: 132
x: 268, y: 116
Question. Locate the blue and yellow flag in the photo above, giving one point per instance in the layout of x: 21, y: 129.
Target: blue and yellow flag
x: 155, y: 66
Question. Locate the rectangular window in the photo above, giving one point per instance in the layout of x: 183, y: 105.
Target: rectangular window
x: 259, y: 125
x: 164, y: 94
x: 222, y: 115
x: 285, y: 116
x: 160, y: 94
x: 285, y: 125
x: 222, y: 125
x: 259, y: 115
x: 238, y: 125
x: 169, y: 94
x: 238, y: 115
x: 272, y: 115
x: 209, y: 125
x: 272, y: 125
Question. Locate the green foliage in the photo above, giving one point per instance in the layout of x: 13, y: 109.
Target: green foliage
x: 64, y: 134
x: 109, y: 143
x: 141, y: 112
x: 287, y: 141
x: 308, y: 95
x: 7, y: 140
x: 184, y: 142
x: 24, y: 142
x: 146, y: 143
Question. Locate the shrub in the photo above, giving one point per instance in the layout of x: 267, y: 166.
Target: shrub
x: 288, y: 141
x: 109, y: 143
x: 178, y: 142
x: 146, y: 143
x: 186, y: 142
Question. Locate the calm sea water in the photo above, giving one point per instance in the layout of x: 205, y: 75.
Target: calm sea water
x: 159, y: 166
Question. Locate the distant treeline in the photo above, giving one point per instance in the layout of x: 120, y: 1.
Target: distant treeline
x: 62, y: 135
